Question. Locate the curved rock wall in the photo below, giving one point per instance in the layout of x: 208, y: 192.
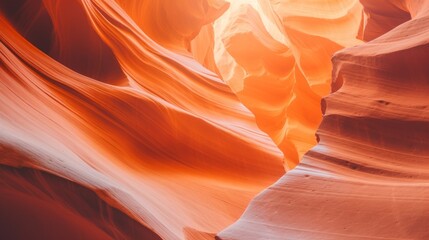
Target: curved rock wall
x: 126, y: 119
x: 368, y: 176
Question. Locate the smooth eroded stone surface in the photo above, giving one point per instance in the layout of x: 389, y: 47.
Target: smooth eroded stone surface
x: 368, y: 177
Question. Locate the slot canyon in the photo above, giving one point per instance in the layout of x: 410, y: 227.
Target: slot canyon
x: 214, y: 119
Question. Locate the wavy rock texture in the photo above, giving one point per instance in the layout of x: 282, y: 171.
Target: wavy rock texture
x: 130, y: 119
x: 281, y: 63
x: 368, y: 176
x: 167, y: 142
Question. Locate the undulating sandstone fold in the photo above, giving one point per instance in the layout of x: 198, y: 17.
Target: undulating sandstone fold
x: 368, y: 177
x: 378, y: 20
x: 152, y: 119
x: 38, y: 205
x: 174, y: 150
x: 64, y: 32
x: 271, y: 87
x: 314, y: 35
x: 202, y: 48
x: 30, y: 19
x: 278, y: 62
x: 184, y: 27
x: 164, y: 73
x: 173, y: 24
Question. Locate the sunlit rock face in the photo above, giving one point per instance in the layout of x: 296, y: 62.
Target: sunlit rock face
x: 151, y: 119
x: 368, y: 176
x: 276, y: 56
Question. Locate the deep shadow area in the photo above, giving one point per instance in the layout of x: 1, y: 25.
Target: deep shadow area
x: 38, y: 205
x: 62, y: 30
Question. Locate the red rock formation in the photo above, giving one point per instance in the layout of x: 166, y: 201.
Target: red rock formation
x: 367, y: 178
x: 66, y: 36
x: 115, y: 123
x: 278, y: 63
x: 172, y: 147
x: 173, y: 24
x: 38, y: 205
